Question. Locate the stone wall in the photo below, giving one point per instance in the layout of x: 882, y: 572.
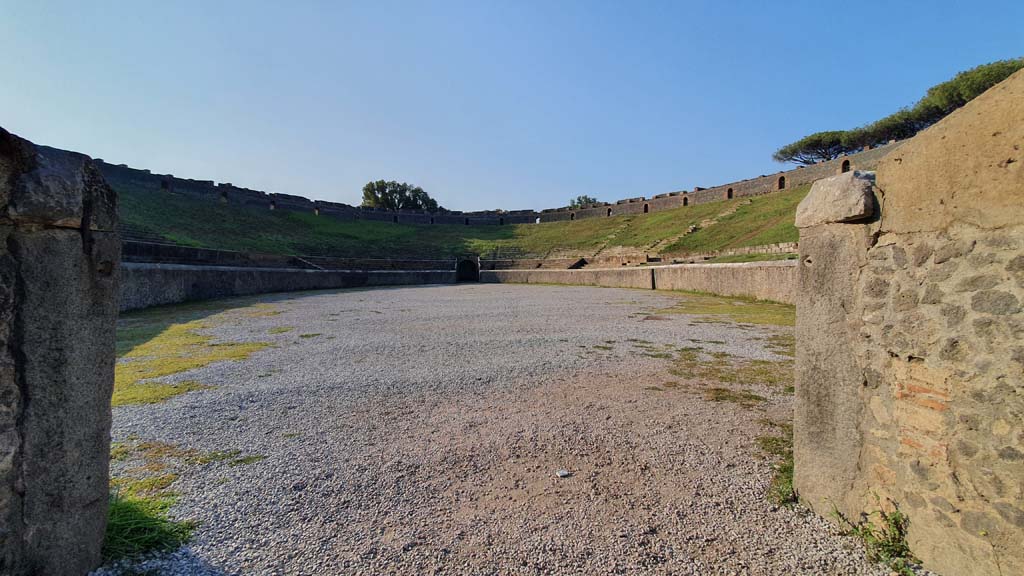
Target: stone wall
x: 146, y: 284
x: 132, y: 251
x: 910, y: 339
x: 58, y: 293
x: 761, y: 280
x: 206, y: 190
x: 608, y: 277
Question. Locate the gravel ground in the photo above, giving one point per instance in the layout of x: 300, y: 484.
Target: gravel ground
x: 419, y: 430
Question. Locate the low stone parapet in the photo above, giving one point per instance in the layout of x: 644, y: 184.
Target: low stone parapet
x: 144, y: 285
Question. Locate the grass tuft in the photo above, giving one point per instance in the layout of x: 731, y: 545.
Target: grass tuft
x: 781, y: 490
x: 741, y: 397
x: 140, y: 525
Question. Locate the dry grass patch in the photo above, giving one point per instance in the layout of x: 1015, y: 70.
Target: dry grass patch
x: 742, y: 310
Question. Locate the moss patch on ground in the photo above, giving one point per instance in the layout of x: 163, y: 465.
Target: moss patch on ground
x: 725, y: 368
x: 742, y: 310
x: 157, y: 343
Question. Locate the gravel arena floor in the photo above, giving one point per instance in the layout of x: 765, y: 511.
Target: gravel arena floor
x: 418, y: 430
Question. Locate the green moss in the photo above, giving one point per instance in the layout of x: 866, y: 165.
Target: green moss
x: 311, y: 335
x: 280, y: 329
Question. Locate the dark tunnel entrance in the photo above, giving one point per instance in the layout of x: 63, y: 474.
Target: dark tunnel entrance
x: 467, y: 271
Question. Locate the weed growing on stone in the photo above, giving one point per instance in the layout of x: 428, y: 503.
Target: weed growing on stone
x: 280, y: 329
x: 310, y: 335
x: 884, y: 535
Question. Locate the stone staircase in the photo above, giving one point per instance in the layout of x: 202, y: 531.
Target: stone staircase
x: 657, y: 247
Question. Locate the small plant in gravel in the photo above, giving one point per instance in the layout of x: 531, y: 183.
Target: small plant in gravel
x: 741, y: 397
x: 310, y: 335
x: 280, y: 329
x: 884, y: 535
x: 246, y: 460
x: 781, y: 490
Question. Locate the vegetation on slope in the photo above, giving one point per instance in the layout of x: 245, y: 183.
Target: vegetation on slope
x: 937, y: 103
x: 726, y: 224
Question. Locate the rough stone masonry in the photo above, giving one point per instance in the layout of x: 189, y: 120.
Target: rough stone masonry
x: 58, y: 306
x: 910, y: 339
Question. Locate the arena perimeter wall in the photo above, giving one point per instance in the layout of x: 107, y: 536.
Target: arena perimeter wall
x: 761, y: 280
x: 144, y: 285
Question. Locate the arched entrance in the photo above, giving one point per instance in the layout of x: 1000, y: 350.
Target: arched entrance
x: 845, y: 167
x: 467, y: 270
x: 782, y: 182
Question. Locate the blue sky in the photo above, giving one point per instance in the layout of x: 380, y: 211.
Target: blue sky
x: 485, y: 104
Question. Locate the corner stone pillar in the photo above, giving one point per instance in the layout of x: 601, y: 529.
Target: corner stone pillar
x: 58, y: 309
x: 834, y: 242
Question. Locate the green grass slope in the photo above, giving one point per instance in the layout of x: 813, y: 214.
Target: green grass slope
x: 728, y: 224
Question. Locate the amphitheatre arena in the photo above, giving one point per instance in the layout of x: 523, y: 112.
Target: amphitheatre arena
x: 818, y: 371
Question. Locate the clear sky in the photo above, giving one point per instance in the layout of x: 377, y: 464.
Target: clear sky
x: 484, y: 104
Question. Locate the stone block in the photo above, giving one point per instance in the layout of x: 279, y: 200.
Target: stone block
x: 844, y: 198
x: 58, y: 309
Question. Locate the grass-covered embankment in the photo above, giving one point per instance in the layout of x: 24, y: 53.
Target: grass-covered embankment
x: 721, y: 225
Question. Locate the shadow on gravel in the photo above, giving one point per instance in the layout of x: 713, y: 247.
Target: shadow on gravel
x: 138, y: 327
x: 182, y: 561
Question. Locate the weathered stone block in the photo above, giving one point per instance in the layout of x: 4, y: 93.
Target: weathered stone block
x: 844, y: 198
x: 58, y: 308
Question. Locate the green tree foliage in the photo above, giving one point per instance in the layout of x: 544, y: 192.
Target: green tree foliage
x: 939, y: 101
x: 581, y: 201
x: 398, y: 196
x: 814, y: 148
